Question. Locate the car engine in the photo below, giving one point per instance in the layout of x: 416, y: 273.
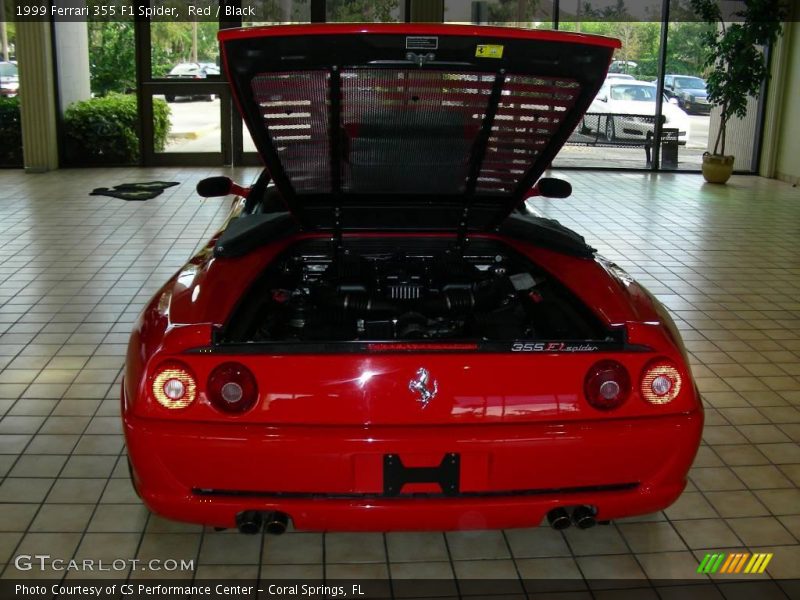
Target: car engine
x: 373, y: 294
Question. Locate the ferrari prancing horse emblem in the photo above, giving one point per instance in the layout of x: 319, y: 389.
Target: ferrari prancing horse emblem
x: 419, y: 385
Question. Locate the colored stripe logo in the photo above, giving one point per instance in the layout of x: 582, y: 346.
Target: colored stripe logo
x: 735, y: 562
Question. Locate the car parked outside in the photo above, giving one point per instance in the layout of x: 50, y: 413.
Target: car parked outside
x: 689, y: 91
x: 193, y: 71
x: 631, y: 106
x: 210, y: 68
x: 9, y: 79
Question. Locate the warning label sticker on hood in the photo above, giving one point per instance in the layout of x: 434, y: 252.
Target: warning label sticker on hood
x: 422, y: 42
x: 489, y: 51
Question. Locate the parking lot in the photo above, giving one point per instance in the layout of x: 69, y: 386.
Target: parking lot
x: 690, y: 155
x: 195, y: 127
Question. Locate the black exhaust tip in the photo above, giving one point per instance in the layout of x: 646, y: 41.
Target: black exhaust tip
x: 276, y: 523
x: 249, y: 522
x: 583, y: 517
x: 558, y: 518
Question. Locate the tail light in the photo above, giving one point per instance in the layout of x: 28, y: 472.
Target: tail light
x: 661, y: 382
x: 232, y: 388
x: 607, y: 385
x: 174, y: 386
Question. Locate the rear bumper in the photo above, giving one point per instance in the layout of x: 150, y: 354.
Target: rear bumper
x: 332, y: 478
x: 697, y: 107
x: 410, y: 514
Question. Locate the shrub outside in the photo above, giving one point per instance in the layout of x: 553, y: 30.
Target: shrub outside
x: 103, y: 130
x: 10, y: 133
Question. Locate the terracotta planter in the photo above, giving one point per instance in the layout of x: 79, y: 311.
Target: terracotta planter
x: 717, y: 168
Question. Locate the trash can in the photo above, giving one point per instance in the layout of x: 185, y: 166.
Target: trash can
x: 669, y: 148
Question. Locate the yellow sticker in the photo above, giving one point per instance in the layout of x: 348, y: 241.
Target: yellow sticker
x: 489, y: 51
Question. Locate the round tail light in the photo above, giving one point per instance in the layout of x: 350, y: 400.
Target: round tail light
x: 232, y: 388
x: 174, y: 386
x: 607, y: 385
x: 661, y: 382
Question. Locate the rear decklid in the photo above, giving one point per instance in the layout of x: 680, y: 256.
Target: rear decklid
x: 409, y: 126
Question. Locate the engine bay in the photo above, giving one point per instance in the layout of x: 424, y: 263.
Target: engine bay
x: 406, y: 289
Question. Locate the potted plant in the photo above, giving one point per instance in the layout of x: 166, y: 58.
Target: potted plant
x: 737, y: 66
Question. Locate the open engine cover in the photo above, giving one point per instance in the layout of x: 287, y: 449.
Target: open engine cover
x: 410, y: 126
x: 406, y: 290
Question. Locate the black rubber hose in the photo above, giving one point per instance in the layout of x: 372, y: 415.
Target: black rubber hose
x: 463, y: 300
x: 358, y: 303
x: 450, y: 301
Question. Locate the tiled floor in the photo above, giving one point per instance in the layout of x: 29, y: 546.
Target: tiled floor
x: 75, y: 270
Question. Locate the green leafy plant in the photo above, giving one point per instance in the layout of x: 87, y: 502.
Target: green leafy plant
x: 103, y: 130
x: 10, y: 133
x: 736, y: 62
x: 161, y: 123
x: 112, y: 58
x: 514, y: 11
x: 362, y: 10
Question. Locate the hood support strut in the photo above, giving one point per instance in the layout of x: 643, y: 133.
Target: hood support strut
x: 478, y: 154
x: 335, y: 91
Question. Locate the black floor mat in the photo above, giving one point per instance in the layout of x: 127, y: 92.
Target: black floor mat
x: 134, y: 191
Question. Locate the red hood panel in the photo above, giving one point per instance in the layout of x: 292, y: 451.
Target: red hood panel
x: 426, y: 120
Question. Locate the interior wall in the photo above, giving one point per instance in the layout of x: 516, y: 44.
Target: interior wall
x: 739, y: 135
x: 37, y: 96
x: 787, y: 160
x: 72, y: 58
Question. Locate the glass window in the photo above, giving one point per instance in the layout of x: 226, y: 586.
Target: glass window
x: 187, y: 122
x: 8, y: 71
x: 184, y: 50
x: 689, y: 83
x: 684, y: 82
x: 186, y: 117
x: 96, y: 71
x: 364, y: 11
x: 632, y: 92
x: 10, y: 124
x: 274, y: 12
x: 111, y: 57
x: 529, y: 14
x: 619, y: 125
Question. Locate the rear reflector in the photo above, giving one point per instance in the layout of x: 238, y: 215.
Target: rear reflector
x: 174, y: 386
x: 661, y: 382
x: 232, y: 388
x: 607, y: 385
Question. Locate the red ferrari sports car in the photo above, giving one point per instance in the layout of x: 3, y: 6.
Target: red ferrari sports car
x: 382, y: 337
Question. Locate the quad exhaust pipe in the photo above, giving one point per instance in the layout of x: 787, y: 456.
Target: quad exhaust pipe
x: 249, y: 522
x: 583, y: 517
x: 252, y: 522
x: 558, y: 518
x: 275, y: 523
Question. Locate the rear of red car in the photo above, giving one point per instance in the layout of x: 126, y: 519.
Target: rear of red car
x: 409, y: 356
